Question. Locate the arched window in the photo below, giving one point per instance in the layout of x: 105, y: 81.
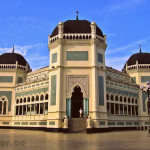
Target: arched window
x: 120, y: 98
x: 3, y: 106
x: 21, y: 100
x: 46, y: 97
x: 112, y: 97
x: 28, y: 99
x: 107, y: 96
x: 132, y: 100
x: 24, y: 100
x: 32, y: 99
x: 125, y: 99
x: 37, y: 98
x: 42, y: 97
x: 116, y: 98
x: 128, y: 100
x: 17, y: 101
x: 136, y: 101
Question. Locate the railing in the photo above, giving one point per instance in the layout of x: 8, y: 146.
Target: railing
x: 74, y: 36
x: 122, y: 117
x: 53, y: 39
x: 138, y: 66
x: 101, y: 38
x: 12, y: 66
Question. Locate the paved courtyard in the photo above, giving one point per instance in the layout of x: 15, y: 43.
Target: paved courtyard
x: 11, y: 139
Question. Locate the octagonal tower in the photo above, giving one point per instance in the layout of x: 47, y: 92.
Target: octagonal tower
x: 77, y: 72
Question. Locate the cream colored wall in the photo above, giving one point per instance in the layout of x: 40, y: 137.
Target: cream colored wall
x: 75, y: 68
x: 80, y: 71
x: 138, y: 73
x: 101, y: 72
x: 101, y: 51
x: 79, y: 47
x: 53, y: 51
x: 10, y: 87
x: 30, y: 118
x: 10, y: 113
x: 53, y: 109
x: 6, y: 85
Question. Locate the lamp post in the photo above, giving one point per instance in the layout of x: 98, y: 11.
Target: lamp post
x: 148, y: 94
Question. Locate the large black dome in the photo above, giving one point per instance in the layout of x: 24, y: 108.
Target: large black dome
x: 77, y: 26
x: 142, y: 58
x: 11, y: 58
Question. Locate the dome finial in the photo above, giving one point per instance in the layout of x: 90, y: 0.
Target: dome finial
x: 77, y: 15
x: 13, y: 49
x: 140, y: 49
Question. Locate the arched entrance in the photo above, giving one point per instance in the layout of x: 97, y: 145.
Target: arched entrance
x: 76, y: 102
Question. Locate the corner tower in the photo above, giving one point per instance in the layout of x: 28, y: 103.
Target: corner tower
x: 77, y: 72
x: 13, y: 68
x: 138, y: 67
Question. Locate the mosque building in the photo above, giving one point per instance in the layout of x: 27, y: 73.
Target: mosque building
x: 50, y: 98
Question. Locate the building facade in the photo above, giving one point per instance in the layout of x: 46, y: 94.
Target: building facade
x: 76, y: 77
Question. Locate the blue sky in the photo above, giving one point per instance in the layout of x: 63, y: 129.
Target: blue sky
x: 27, y: 24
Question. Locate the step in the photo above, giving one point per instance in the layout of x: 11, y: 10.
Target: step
x: 77, y: 125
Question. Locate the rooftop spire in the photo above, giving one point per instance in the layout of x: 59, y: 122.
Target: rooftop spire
x: 140, y: 49
x: 13, y: 49
x: 77, y: 15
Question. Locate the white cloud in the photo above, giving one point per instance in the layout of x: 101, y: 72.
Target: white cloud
x: 116, y: 62
x: 32, y: 54
x: 110, y: 34
x: 122, y: 5
x: 117, y: 57
x: 24, y: 18
x: 18, y: 49
x: 132, y: 47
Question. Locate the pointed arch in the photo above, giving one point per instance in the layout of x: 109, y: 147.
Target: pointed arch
x: 80, y: 85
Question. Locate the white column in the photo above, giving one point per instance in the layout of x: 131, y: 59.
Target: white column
x: 39, y: 107
x: 18, y: 109
x: 2, y: 106
x: 16, y: 64
x: 59, y: 91
x: 34, y: 109
x: 109, y: 108
x: 119, y: 109
x: 60, y: 29
x: 60, y: 47
x: 44, y: 108
x: 114, y: 108
x: 134, y: 111
x: 59, y: 80
x: 26, y: 109
x: 22, y: 110
x: 94, y: 72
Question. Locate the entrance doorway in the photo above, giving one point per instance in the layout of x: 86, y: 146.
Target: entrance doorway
x: 76, y: 102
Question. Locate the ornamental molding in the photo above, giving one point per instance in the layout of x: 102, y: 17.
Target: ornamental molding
x: 77, y: 80
x: 56, y: 43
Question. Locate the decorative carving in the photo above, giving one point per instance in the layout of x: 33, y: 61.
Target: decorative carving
x: 78, y: 80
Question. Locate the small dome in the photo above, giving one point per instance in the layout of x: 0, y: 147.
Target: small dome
x: 77, y: 26
x: 142, y: 58
x: 11, y: 58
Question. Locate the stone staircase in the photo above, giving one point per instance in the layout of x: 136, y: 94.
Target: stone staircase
x: 77, y: 125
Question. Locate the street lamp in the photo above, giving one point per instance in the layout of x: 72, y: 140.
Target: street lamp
x: 148, y: 94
